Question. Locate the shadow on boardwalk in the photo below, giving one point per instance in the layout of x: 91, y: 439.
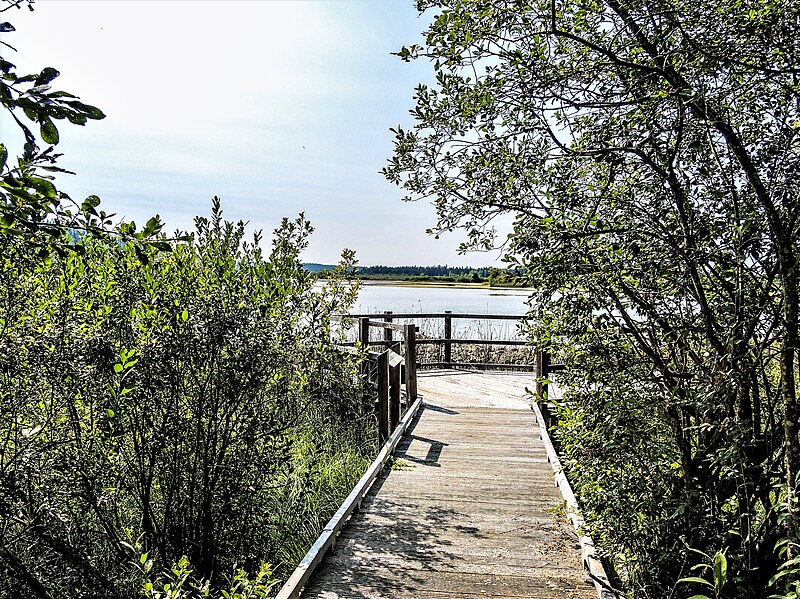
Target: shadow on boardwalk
x: 470, y: 508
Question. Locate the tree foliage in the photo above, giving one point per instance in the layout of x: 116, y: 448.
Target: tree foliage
x: 649, y: 152
x: 191, y: 406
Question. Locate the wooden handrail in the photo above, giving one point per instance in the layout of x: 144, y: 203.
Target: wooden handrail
x: 541, y: 365
x: 387, y: 321
x: 386, y: 325
x: 473, y: 342
x: 382, y: 343
x: 294, y: 585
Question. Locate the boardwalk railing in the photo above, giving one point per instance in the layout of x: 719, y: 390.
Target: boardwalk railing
x: 395, y: 409
x: 540, y: 365
x: 294, y: 585
x: 447, y: 340
x: 386, y: 369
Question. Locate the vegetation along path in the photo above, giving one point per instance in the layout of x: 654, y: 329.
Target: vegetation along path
x: 469, y: 509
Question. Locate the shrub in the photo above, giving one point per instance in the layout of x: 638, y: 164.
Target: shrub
x: 182, y: 402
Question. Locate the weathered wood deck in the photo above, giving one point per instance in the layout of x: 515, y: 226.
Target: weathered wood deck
x: 470, y: 510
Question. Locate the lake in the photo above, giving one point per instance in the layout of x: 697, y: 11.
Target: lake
x: 377, y: 296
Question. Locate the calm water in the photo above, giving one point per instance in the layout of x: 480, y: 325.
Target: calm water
x: 377, y: 297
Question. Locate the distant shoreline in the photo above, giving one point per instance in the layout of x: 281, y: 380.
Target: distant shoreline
x: 435, y: 284
x: 403, y: 283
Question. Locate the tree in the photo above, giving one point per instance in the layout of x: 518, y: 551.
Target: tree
x: 650, y: 154
x: 32, y: 209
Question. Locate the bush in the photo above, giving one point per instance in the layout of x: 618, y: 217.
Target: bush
x: 176, y: 403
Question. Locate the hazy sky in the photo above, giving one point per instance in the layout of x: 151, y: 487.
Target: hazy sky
x: 276, y: 107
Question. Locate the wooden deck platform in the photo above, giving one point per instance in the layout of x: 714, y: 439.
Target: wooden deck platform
x: 470, y: 508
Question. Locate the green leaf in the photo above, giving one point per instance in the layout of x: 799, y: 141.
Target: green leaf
x: 48, y: 130
x: 720, y: 570
x: 90, y: 204
x: 185, y: 315
x: 117, y: 368
x: 696, y: 579
x: 47, y: 75
x: 43, y: 186
x: 92, y: 112
x: 153, y: 226
x: 3, y: 157
x: 76, y: 118
x: 110, y: 413
x: 778, y: 576
x: 95, y: 113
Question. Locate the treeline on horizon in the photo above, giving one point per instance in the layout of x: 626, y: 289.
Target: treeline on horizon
x: 495, y: 277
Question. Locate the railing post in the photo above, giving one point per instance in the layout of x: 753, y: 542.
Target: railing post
x: 448, y: 334
x: 387, y: 333
x: 542, y: 367
x: 363, y: 331
x: 394, y: 397
x: 383, y: 397
x: 411, y: 364
x: 545, y: 361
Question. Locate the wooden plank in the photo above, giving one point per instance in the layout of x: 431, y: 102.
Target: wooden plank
x: 363, y: 331
x: 515, y: 342
x: 478, y: 365
x: 387, y: 332
x: 461, y: 554
x: 448, y: 335
x: 392, y: 326
x: 472, y: 511
x: 383, y: 397
x: 410, y: 334
x: 394, y: 396
x: 359, y: 580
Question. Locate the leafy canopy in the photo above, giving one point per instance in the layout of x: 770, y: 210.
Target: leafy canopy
x: 649, y: 152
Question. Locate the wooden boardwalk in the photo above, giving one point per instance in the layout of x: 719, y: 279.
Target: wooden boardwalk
x: 469, y: 510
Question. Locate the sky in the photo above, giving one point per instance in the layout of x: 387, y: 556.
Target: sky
x: 275, y: 107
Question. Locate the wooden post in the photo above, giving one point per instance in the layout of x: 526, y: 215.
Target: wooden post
x: 394, y: 397
x: 363, y: 331
x: 542, y: 367
x: 383, y: 397
x: 411, y: 364
x: 448, y: 334
x: 545, y: 360
x: 387, y: 333
x: 537, y: 373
